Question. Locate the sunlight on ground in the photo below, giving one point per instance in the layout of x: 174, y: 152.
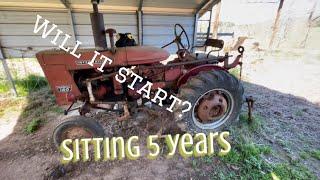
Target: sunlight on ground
x: 8, y: 122
x: 296, y: 77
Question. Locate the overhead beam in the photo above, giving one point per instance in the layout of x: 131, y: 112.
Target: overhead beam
x: 140, y: 23
x: 7, y: 72
x: 67, y: 5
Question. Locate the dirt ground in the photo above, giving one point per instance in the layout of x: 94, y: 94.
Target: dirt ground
x: 286, y: 93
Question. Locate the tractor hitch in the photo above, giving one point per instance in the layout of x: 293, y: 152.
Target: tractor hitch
x: 250, y: 101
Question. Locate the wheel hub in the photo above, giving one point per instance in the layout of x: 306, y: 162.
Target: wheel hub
x: 211, y: 107
x: 77, y: 132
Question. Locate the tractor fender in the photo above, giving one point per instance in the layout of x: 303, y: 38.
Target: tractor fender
x: 196, y: 70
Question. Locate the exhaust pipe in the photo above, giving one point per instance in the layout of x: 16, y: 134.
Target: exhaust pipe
x: 98, y: 30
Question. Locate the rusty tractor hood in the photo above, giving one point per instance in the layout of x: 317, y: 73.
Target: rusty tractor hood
x: 125, y: 56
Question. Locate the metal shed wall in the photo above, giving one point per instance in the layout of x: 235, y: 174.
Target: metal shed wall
x: 158, y: 30
x: 17, y: 37
x: 18, y: 40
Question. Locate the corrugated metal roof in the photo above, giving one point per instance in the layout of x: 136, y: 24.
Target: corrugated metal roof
x: 152, y: 6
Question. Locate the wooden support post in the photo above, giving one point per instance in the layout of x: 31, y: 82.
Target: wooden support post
x: 7, y: 71
x: 304, y: 41
x: 215, y: 23
x: 140, y: 23
x: 276, y: 24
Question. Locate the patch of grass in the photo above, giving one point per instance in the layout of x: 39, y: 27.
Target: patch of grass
x: 57, y: 109
x: 307, y: 154
x: 288, y: 171
x: 304, y: 155
x: 246, y: 160
x: 25, y: 85
x: 4, y: 86
x: 247, y: 157
x: 235, y: 72
x: 315, y: 154
x: 254, y: 125
x: 33, y: 126
x: 29, y: 84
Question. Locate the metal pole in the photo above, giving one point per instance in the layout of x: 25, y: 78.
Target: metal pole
x: 140, y: 23
x: 7, y: 71
x: 140, y: 28
x: 195, y: 30
x: 67, y: 5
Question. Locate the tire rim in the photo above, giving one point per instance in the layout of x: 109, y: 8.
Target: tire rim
x: 212, y: 109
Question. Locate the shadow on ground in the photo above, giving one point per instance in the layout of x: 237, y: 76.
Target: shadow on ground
x: 290, y: 127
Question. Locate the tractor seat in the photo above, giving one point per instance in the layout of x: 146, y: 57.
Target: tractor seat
x: 145, y: 55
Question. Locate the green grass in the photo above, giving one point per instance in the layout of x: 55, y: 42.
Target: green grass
x: 290, y: 171
x: 247, y: 159
x: 235, y: 72
x: 307, y: 154
x: 33, y: 126
x: 25, y: 85
x: 255, y: 125
x: 315, y: 154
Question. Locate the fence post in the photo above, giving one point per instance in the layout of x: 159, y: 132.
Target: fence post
x: 7, y: 71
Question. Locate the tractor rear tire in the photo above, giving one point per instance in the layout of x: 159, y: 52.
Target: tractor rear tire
x: 216, y: 97
x: 77, y: 127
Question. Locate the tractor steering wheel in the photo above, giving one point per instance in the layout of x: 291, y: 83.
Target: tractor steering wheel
x: 178, y: 39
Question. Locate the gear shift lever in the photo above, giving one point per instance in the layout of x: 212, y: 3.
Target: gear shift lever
x: 111, y: 32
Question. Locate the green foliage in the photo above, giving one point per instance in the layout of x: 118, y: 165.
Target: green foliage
x: 254, y: 125
x: 307, y: 154
x: 4, y: 86
x: 33, y: 126
x: 29, y: 84
x: 57, y: 109
x: 315, y: 154
x: 246, y: 160
x: 235, y: 72
x: 247, y: 157
x: 304, y: 155
x: 289, y: 171
x: 25, y: 85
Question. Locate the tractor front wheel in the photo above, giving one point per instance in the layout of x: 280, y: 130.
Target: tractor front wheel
x: 216, y: 98
x: 77, y: 127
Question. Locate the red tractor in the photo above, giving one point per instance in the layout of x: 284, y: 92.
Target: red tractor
x: 202, y: 79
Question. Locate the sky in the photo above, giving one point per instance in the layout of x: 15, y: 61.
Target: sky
x: 255, y: 11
